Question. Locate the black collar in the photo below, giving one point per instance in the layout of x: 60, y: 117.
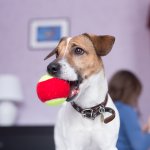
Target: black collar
x: 93, y: 112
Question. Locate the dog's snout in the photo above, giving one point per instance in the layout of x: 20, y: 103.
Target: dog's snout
x: 53, y: 68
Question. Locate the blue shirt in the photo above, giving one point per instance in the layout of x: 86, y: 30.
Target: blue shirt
x: 131, y: 136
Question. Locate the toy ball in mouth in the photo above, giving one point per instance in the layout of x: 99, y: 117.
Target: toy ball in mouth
x: 52, y: 91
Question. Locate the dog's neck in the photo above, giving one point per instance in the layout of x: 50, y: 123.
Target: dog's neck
x: 92, y: 91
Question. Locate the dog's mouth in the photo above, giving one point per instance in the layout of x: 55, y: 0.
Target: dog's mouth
x: 74, y: 89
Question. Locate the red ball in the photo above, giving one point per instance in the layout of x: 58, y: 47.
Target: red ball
x: 52, y: 90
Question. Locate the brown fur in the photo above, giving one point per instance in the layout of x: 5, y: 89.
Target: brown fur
x: 103, y: 44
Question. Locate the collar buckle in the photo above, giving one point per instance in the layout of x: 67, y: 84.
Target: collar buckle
x: 88, y: 113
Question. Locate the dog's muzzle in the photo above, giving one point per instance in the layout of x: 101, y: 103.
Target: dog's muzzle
x: 54, y: 69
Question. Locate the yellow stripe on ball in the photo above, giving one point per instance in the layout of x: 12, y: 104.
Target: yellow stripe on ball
x: 45, y: 77
x: 55, y: 102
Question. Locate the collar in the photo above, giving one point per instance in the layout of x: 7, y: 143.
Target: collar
x: 93, y: 112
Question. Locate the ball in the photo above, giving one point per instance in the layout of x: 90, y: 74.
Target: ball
x: 52, y: 91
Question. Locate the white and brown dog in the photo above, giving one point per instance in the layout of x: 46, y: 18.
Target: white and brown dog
x: 90, y: 121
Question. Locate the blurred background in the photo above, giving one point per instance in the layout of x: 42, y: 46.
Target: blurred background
x: 127, y: 20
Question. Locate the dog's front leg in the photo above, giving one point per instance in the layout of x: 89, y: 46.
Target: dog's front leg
x: 60, y: 143
x: 59, y: 140
x: 67, y: 144
x: 73, y: 146
x: 77, y: 140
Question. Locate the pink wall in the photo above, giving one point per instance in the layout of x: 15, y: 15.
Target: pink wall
x: 126, y: 20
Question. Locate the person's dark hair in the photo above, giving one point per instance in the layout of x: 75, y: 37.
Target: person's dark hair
x: 126, y: 87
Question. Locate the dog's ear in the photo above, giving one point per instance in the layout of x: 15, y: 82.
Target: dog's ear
x: 53, y: 52
x: 102, y: 44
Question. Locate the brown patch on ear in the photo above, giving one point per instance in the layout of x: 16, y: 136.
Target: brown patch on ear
x: 102, y: 44
x: 53, y: 52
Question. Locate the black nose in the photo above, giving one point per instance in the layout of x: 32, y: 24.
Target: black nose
x: 53, y: 68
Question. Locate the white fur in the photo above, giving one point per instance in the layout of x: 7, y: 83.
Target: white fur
x: 67, y: 45
x: 67, y: 72
x: 73, y: 132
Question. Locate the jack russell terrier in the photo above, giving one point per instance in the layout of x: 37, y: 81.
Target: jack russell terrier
x: 90, y: 121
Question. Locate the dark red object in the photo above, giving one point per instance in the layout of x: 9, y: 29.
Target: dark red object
x: 52, y: 89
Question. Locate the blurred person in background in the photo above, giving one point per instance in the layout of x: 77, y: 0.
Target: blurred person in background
x: 125, y: 89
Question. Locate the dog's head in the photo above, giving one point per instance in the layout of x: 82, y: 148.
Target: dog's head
x: 78, y: 58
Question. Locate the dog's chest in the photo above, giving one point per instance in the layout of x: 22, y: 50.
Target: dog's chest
x: 74, y: 121
x: 88, y: 132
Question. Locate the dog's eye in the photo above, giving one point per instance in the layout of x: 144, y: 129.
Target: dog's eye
x: 79, y: 51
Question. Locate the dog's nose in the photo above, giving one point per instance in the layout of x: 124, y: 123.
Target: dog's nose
x: 53, y: 68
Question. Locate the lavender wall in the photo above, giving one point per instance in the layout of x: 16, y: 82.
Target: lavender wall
x: 126, y: 20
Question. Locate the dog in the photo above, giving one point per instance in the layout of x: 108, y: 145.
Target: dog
x: 88, y: 120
